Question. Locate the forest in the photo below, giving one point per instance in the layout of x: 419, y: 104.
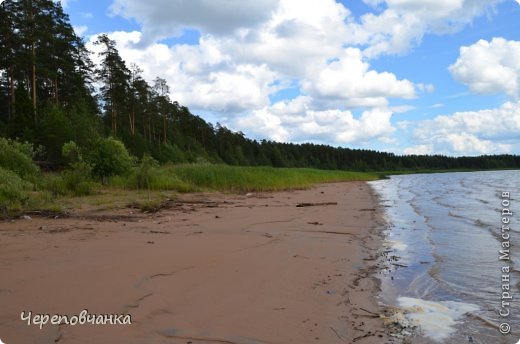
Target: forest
x: 64, y: 109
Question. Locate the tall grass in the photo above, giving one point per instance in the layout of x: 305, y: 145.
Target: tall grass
x: 57, y: 191
x: 196, y: 177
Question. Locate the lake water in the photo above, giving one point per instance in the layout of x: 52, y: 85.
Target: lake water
x: 445, y: 231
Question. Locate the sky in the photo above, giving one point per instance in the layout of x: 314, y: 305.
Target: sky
x: 401, y: 76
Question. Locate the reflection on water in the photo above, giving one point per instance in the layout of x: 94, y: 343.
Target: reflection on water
x: 445, y: 231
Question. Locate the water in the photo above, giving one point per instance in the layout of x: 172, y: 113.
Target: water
x: 445, y: 234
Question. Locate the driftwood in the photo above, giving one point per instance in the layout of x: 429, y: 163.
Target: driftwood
x: 300, y: 205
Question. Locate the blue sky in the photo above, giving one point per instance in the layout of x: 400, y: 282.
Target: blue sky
x: 405, y: 76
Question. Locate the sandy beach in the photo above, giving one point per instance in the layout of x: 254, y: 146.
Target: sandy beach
x: 285, y: 267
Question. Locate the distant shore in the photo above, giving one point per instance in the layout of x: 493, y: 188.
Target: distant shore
x: 283, y: 267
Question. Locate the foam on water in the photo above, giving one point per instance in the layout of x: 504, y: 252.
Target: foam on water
x: 437, y: 320
x: 396, y: 245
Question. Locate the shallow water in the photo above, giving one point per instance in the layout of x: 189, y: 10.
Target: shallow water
x: 445, y: 234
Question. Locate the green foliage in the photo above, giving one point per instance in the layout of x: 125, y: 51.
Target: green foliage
x: 148, y: 206
x: 171, y: 153
x: 71, y: 152
x: 144, y: 171
x: 17, y: 157
x: 159, y: 178
x: 109, y: 157
x: 54, y: 131
x: 13, y: 191
x: 78, y: 179
x: 54, y: 184
x: 85, y: 124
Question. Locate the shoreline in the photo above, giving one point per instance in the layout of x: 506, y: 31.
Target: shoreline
x: 210, y: 267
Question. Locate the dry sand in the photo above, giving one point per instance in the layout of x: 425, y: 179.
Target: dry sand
x: 210, y: 268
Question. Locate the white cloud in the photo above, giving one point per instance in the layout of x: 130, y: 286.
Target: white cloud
x: 296, y: 120
x: 403, y: 23
x: 474, y: 132
x: 349, y: 77
x: 298, y: 36
x: 419, y: 150
x: 489, y: 67
x: 80, y: 30
x: 401, y: 108
x: 164, y: 18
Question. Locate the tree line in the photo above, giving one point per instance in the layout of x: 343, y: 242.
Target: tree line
x: 48, y: 98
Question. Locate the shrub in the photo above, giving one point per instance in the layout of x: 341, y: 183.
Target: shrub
x: 71, y: 153
x: 17, y: 157
x: 54, y: 130
x: 55, y: 184
x: 78, y: 179
x: 109, y: 158
x: 171, y: 153
x: 144, y: 171
x: 13, y: 190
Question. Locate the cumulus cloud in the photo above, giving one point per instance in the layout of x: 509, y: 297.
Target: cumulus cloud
x: 296, y: 120
x: 164, y: 18
x: 349, y: 77
x: 489, y: 67
x: 487, y: 131
x: 298, y: 36
x: 419, y: 149
x: 403, y: 23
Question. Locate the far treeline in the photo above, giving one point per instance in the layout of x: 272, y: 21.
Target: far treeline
x: 48, y: 99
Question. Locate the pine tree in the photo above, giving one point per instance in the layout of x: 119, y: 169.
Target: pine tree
x: 161, y: 90
x: 115, y: 78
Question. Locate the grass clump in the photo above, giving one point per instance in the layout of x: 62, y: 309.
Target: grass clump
x: 148, y: 175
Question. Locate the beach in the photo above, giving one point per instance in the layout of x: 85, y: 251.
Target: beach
x: 285, y: 267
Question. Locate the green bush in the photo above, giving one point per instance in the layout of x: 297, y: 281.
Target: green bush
x: 13, y: 190
x: 71, y: 153
x: 55, y: 184
x: 17, y: 157
x: 78, y: 179
x: 144, y: 171
x: 171, y: 153
x: 85, y: 188
x: 54, y: 130
x: 109, y: 158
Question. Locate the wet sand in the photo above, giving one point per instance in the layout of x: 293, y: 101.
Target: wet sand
x: 208, y: 268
